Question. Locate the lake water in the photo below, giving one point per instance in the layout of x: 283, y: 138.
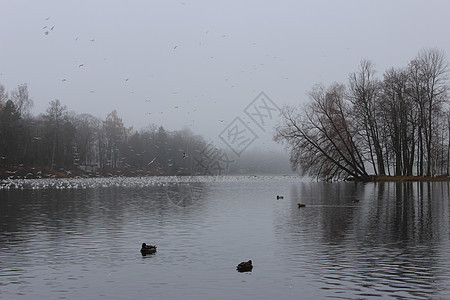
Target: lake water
x: 80, y: 239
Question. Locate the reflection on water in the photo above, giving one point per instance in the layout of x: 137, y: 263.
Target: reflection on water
x: 392, y: 243
x: 84, y: 241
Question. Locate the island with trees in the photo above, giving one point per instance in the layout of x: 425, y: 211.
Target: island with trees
x: 394, y: 128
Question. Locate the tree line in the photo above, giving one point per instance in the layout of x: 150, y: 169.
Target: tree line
x: 397, y: 125
x: 60, y: 140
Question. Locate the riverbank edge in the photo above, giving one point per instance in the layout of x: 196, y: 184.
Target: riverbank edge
x: 392, y: 178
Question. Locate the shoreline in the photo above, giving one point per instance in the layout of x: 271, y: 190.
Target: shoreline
x: 393, y: 178
x: 21, y: 172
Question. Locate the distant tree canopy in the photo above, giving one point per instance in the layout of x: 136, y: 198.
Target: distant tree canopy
x: 399, y: 125
x: 59, y: 139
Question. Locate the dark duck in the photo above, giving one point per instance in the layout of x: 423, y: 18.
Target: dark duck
x: 245, y: 266
x: 147, y: 249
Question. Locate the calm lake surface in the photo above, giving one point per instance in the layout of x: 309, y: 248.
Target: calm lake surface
x: 80, y: 239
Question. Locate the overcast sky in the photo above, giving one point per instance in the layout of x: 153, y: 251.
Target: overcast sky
x: 201, y: 63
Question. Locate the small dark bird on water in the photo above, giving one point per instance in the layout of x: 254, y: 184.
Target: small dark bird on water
x: 355, y: 200
x: 301, y: 205
x: 280, y: 197
x: 245, y: 266
x: 147, y: 249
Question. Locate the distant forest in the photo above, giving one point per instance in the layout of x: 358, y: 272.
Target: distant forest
x: 62, y: 143
x: 59, y: 141
x: 398, y: 125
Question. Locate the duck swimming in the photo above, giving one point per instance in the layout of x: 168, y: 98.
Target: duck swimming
x: 301, y: 205
x: 279, y: 197
x: 147, y: 249
x: 245, y: 266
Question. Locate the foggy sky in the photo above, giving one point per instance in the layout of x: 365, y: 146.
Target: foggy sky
x: 200, y: 63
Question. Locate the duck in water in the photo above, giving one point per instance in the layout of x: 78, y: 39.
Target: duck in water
x: 147, y: 249
x: 245, y: 266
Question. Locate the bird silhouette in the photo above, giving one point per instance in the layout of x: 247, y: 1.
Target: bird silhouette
x: 245, y: 266
x: 151, y: 162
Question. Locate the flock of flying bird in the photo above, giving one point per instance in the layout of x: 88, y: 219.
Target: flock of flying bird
x: 49, y: 28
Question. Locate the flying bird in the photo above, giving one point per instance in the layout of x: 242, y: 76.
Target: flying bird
x: 151, y: 162
x: 46, y: 33
x: 64, y: 80
x: 52, y: 27
x: 82, y: 65
x: 47, y: 19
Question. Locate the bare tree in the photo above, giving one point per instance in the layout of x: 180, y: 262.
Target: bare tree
x: 364, y: 91
x: 3, y: 96
x: 398, y: 119
x: 22, y: 100
x: 321, y: 136
x: 434, y: 75
x: 85, y: 138
x: 115, y: 132
x: 55, y: 117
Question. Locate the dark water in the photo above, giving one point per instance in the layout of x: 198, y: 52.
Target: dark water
x: 81, y: 239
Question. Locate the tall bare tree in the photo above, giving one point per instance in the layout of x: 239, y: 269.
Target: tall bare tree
x: 115, y: 132
x: 364, y: 91
x: 433, y: 68
x: 322, y: 137
x: 85, y: 138
x: 22, y: 100
x: 398, y: 119
x: 55, y: 117
x: 3, y: 96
